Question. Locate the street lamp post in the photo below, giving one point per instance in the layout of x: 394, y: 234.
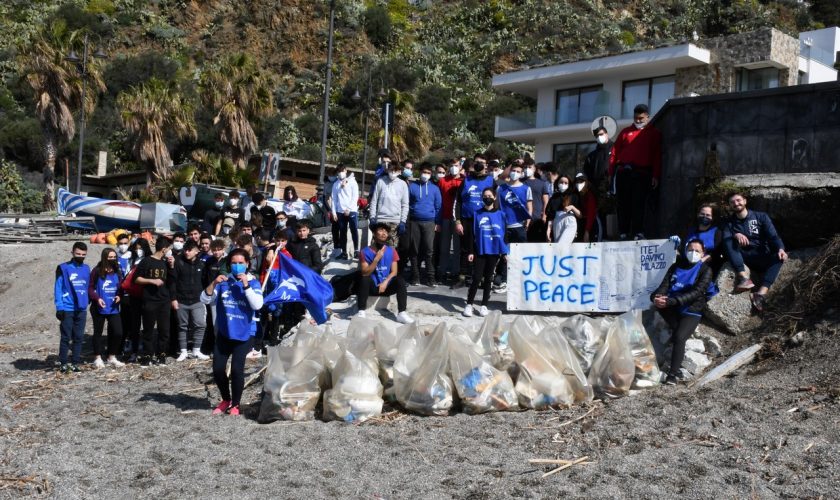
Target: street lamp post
x: 81, y: 66
x: 357, y: 97
x: 326, y: 117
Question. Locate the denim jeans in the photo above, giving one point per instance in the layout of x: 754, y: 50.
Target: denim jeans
x: 343, y: 221
x: 72, y: 329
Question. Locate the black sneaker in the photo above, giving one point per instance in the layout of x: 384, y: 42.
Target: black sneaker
x: 414, y: 282
x: 671, y: 380
x: 75, y: 369
x: 432, y: 283
x: 355, y: 255
x: 146, y: 361
x: 759, y: 302
x: 65, y: 368
x: 161, y: 359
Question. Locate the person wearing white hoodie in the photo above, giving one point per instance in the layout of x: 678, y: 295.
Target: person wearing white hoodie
x: 390, y: 203
x: 345, y: 209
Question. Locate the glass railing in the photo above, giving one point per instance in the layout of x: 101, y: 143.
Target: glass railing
x: 816, y: 54
x: 518, y: 121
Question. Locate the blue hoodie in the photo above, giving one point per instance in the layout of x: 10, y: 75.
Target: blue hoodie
x: 424, y: 202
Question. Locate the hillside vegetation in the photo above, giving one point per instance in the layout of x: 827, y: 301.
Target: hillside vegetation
x: 433, y: 59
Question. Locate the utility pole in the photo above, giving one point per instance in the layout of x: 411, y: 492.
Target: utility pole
x: 326, y: 116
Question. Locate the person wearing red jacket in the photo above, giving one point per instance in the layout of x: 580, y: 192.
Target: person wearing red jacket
x: 449, y: 248
x: 635, y: 170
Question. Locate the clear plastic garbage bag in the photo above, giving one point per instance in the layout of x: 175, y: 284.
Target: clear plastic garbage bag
x: 387, y: 341
x: 481, y: 387
x: 421, y: 379
x: 585, y: 336
x: 630, y: 326
x: 356, y: 393
x: 613, y: 368
x: 294, y: 377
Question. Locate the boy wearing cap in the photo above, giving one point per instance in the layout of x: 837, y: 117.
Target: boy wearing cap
x: 379, y: 273
x: 232, y: 214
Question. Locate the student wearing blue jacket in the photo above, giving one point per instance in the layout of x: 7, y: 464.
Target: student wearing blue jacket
x: 105, y: 300
x: 71, y: 301
x: 424, y: 203
x: 489, y: 229
x: 750, y: 238
x: 238, y: 299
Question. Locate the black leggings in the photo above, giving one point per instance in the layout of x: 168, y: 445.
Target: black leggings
x: 395, y: 286
x: 114, y: 332
x: 236, y: 350
x: 682, y: 326
x: 131, y: 312
x: 483, y: 267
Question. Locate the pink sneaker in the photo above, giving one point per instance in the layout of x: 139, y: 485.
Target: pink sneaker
x: 234, y: 411
x: 223, y: 407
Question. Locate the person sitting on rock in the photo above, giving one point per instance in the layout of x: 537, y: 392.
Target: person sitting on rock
x: 750, y: 238
x: 681, y: 299
x: 379, y: 276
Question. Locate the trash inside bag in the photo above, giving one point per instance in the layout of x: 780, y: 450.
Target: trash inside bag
x: 630, y: 326
x: 481, y: 387
x: 549, y: 373
x: 356, y: 393
x: 421, y: 378
x: 585, y: 336
x: 294, y: 377
x: 387, y: 342
x: 613, y: 368
x: 362, y: 328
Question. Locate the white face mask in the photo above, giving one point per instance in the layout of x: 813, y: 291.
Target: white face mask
x: 220, y: 204
x: 168, y: 254
x: 514, y: 176
x: 580, y: 186
x: 178, y: 245
x: 139, y: 253
x: 454, y: 170
x: 639, y: 126
x: 233, y: 202
x: 602, y: 139
x: 122, y: 248
x: 562, y: 187
x: 496, y: 174
x: 693, y: 256
x: 393, y: 175
x: 440, y: 175
x: 425, y: 177
x: 281, y: 223
x: 529, y: 172
x: 342, y: 175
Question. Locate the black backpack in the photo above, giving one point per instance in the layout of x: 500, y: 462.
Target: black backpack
x: 345, y: 285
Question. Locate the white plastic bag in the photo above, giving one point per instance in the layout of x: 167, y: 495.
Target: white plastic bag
x: 613, y: 368
x: 630, y: 325
x: 295, y: 375
x: 585, y: 336
x: 421, y: 378
x: 387, y: 341
x: 481, y: 387
x: 356, y: 393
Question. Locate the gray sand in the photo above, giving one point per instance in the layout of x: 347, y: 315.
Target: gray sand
x: 148, y: 431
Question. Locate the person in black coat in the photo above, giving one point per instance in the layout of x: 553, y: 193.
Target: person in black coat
x: 305, y: 249
x: 681, y: 299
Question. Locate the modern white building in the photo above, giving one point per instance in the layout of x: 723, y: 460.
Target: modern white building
x: 570, y: 96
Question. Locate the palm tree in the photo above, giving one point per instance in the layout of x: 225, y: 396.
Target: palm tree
x: 239, y: 91
x: 412, y: 135
x: 57, y: 87
x: 150, y: 112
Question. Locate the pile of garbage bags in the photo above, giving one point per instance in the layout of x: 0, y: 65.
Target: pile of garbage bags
x: 529, y: 362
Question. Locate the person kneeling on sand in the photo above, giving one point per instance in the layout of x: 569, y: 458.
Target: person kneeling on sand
x: 236, y: 324
x: 681, y: 299
x: 379, y: 275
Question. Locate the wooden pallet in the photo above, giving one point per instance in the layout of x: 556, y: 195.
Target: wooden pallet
x: 36, y: 228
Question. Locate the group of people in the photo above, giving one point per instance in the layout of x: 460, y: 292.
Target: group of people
x: 451, y: 224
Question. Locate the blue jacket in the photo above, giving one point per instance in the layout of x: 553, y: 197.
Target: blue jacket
x: 78, y: 277
x: 424, y: 201
x: 758, y: 228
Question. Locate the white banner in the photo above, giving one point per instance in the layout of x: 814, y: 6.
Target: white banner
x: 588, y: 277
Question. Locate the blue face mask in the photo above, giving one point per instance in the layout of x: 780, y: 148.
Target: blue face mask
x: 237, y: 269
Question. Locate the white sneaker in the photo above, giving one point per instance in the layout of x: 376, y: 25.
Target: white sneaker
x: 468, y: 310
x: 254, y: 354
x: 483, y: 311
x: 113, y: 361
x: 98, y: 363
x: 404, y: 318
x: 502, y: 288
x: 197, y: 354
x: 183, y: 356
x: 361, y: 314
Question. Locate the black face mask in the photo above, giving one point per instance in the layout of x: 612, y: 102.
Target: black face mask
x: 488, y: 201
x: 704, y: 221
x: 79, y: 260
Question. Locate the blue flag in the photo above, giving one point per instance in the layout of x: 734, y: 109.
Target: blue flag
x: 298, y: 283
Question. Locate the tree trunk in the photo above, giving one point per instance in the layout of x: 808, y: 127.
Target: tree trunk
x: 239, y: 160
x: 49, y: 171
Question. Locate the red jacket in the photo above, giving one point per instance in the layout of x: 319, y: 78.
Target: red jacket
x: 640, y: 148
x: 588, y: 210
x: 449, y: 187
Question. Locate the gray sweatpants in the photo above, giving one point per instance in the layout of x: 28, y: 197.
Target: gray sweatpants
x: 195, y: 315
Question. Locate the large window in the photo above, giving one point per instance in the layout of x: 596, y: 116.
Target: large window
x: 651, y: 91
x: 755, y: 79
x: 579, y: 105
x: 569, y: 157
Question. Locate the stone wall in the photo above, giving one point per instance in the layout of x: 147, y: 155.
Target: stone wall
x: 774, y: 131
x: 768, y: 47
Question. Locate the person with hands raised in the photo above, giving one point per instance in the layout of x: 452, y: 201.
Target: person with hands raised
x: 238, y: 298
